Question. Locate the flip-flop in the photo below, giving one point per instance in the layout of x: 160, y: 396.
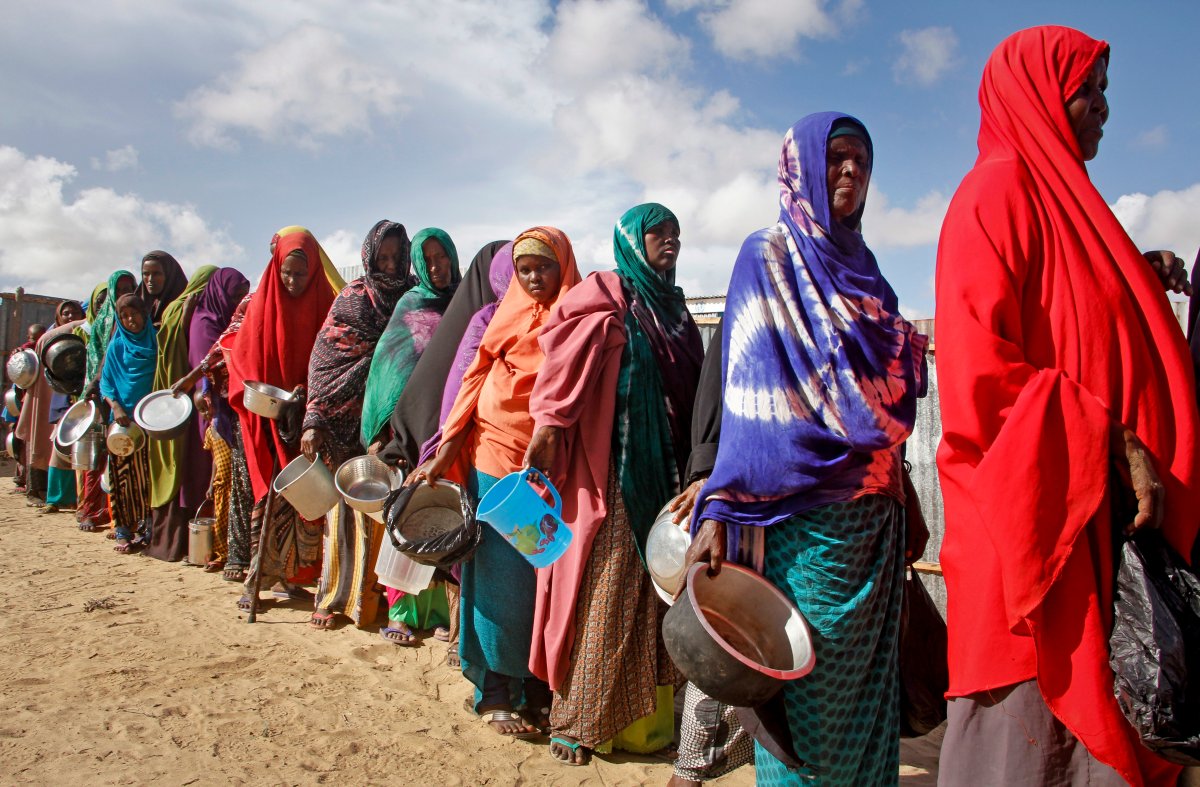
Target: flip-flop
x: 234, y: 575
x: 574, y: 746
x: 441, y: 634
x: 321, y: 621
x: 410, y: 642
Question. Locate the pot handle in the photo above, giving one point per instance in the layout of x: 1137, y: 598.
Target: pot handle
x: 536, y: 475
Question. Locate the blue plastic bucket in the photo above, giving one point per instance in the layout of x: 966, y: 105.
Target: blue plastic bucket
x: 515, y: 509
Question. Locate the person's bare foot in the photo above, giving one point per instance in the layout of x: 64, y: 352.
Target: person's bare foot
x: 504, y: 722
x: 678, y: 781
x: 569, y: 751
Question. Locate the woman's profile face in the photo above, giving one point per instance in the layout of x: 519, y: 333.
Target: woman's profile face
x: 294, y: 273
x: 848, y: 172
x: 662, y: 246
x: 153, y: 276
x: 539, y: 276
x: 437, y: 263
x: 1088, y: 109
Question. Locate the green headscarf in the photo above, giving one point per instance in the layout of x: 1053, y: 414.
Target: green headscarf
x: 165, y: 455
x: 409, y: 330
x: 102, y: 322
x: 629, y: 247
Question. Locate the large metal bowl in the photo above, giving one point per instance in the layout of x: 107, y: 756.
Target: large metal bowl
x: 431, y: 511
x: 23, y: 367
x: 76, y: 422
x: 266, y: 400
x: 162, y: 415
x: 666, y: 547
x: 10, y: 402
x: 65, y: 357
x: 124, y: 440
x: 736, y: 636
x: 308, y: 486
x: 10, y: 445
x: 365, y: 482
x: 61, y: 451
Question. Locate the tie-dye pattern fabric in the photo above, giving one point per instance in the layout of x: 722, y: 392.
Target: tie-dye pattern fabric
x: 818, y: 363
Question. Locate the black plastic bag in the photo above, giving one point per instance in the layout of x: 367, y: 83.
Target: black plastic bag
x: 442, y: 551
x: 1154, y: 643
x: 924, y: 674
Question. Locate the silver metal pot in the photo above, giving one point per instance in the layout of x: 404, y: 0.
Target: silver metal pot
x: 365, y: 483
x: 23, y: 367
x: 124, y: 440
x: 266, y: 400
x: 308, y: 486
x: 61, y: 451
x: 76, y: 422
x: 10, y: 444
x: 10, y: 403
x: 736, y: 636
x: 200, y: 540
x: 88, y: 451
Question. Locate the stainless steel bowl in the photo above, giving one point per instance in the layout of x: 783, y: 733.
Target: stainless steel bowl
x: 23, y: 367
x: 366, y: 481
x: 124, y: 440
x: 266, y: 400
x: 431, y: 511
x: 10, y: 444
x: 88, y: 451
x: 162, y: 415
x: 61, y: 451
x: 666, y: 547
x: 76, y: 422
x: 10, y: 402
x: 736, y: 636
x: 308, y: 486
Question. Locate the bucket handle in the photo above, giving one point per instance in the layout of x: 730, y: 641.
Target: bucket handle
x: 532, y: 475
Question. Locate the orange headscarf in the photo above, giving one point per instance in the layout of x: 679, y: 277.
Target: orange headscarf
x: 494, y: 398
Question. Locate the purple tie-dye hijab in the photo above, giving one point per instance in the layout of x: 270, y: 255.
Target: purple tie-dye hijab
x: 820, y: 370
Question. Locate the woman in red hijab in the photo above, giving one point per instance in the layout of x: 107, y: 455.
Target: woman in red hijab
x: 1062, y: 371
x: 273, y: 346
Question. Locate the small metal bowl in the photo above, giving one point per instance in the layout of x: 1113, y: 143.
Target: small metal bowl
x: 23, y: 367
x: 10, y: 444
x: 124, y: 440
x: 76, y: 421
x: 10, y: 402
x: 366, y: 481
x: 266, y: 400
x: 162, y: 415
x: 666, y: 548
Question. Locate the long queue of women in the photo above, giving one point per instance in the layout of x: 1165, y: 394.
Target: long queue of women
x: 1059, y: 361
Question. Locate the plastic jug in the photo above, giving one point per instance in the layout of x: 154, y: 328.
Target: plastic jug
x: 515, y: 509
x: 396, y: 571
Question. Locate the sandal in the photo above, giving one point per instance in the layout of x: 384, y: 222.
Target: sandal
x: 575, y: 747
x: 213, y: 566
x: 441, y: 634
x: 539, y: 719
x: 243, y: 604
x: 399, y: 636
x: 126, y: 547
x: 452, y: 659
x: 88, y: 526
x: 50, y: 508
x: 234, y: 575
x: 321, y: 621
x: 508, y: 721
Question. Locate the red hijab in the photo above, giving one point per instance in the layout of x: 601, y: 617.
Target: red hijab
x: 273, y: 346
x: 1051, y: 326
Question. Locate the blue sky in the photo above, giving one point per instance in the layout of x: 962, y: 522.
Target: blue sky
x: 202, y: 128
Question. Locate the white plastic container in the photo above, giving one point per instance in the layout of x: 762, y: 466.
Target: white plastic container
x: 396, y: 571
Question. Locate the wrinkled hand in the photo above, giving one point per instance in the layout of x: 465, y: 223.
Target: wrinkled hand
x: 311, y: 442
x: 708, y: 546
x: 1136, y: 468
x: 1171, y: 270
x: 543, y: 449
x: 685, y: 501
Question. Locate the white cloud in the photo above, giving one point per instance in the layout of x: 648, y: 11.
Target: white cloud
x: 63, y: 245
x: 588, y: 33
x: 1152, y: 138
x: 926, y: 55
x: 303, y: 87
x: 344, y: 249
x: 761, y: 29
x: 117, y: 160
x: 886, y: 226
x: 1165, y: 220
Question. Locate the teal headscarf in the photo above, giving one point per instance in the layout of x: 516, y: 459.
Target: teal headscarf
x: 102, y: 324
x: 656, y: 384
x: 409, y: 330
x: 128, y: 373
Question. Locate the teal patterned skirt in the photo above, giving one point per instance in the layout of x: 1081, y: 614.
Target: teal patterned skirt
x: 842, y: 565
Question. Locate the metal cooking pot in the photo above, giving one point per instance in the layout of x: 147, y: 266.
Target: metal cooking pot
x: 23, y: 367
x: 736, y: 636
x: 76, y: 421
x: 61, y: 451
x: 308, y: 486
x: 65, y: 357
x: 266, y: 400
x: 10, y: 402
x: 124, y: 440
x: 365, y: 483
x: 88, y: 451
x: 666, y: 549
x: 162, y: 415
x: 10, y: 444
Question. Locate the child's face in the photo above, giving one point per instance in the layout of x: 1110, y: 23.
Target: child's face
x: 200, y: 400
x: 133, y: 319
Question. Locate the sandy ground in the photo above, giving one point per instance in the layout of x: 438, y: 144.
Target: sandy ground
x: 169, y: 685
